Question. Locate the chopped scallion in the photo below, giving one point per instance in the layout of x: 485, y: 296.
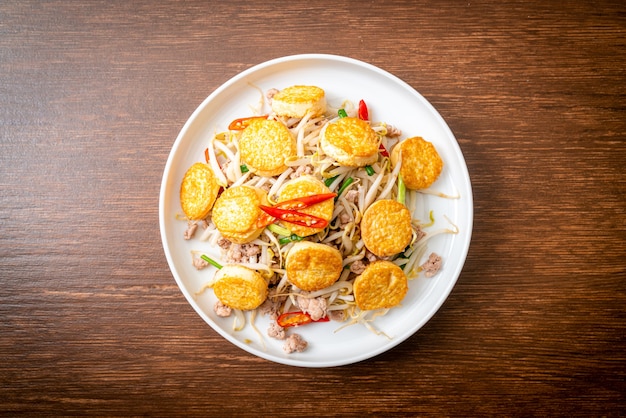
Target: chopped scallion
x: 211, y: 261
x: 347, y: 182
x: 342, y: 113
x: 370, y: 171
x: 244, y: 168
x: 330, y: 180
x: 280, y: 230
x: 291, y: 238
x: 401, y: 190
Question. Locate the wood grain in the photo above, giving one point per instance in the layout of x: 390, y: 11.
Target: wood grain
x: 92, y: 96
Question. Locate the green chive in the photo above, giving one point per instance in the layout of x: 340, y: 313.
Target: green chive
x: 344, y: 186
x: 330, y: 180
x: 211, y: 261
x: 342, y: 113
x: 244, y: 168
x: 287, y: 240
x: 370, y: 170
x: 277, y: 229
x: 401, y: 190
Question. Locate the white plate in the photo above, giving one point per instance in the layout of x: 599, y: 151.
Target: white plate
x: 390, y: 100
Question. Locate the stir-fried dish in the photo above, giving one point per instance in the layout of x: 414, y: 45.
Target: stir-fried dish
x: 312, y: 209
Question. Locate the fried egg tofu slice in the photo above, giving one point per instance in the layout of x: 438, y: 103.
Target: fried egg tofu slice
x: 386, y: 227
x: 297, y: 101
x: 313, y: 266
x: 421, y: 163
x: 240, y: 287
x: 350, y: 141
x: 198, y: 191
x: 381, y: 285
x: 265, y: 146
x: 307, y: 186
x: 236, y: 212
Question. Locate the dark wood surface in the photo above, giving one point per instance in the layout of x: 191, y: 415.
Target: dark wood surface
x: 92, y: 96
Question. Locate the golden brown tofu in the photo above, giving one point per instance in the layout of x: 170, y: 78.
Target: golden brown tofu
x: 240, y: 287
x: 386, y: 227
x: 307, y: 186
x: 236, y: 212
x: 297, y: 101
x: 198, y: 191
x: 312, y: 266
x: 351, y: 142
x: 421, y: 163
x: 381, y: 285
x: 265, y: 146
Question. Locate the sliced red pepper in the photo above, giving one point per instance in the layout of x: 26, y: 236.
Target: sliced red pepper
x: 363, y: 112
x: 383, y: 150
x: 290, y: 207
x: 364, y: 115
x: 264, y: 220
x: 242, y: 123
x: 305, y: 201
x: 295, y: 319
x: 294, y: 217
x: 206, y: 155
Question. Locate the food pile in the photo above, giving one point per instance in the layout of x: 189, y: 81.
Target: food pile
x: 311, y: 207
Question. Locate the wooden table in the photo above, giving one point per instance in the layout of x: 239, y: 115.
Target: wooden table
x: 92, y: 96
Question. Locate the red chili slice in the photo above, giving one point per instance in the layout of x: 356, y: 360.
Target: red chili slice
x: 363, y: 112
x: 383, y: 150
x: 242, y: 123
x: 289, y: 209
x: 295, y: 217
x: 264, y: 220
x: 295, y: 319
x: 364, y: 115
x: 305, y: 201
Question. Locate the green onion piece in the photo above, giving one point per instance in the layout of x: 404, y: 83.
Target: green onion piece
x: 370, y: 170
x: 211, y: 261
x: 244, y: 168
x: 401, y: 190
x: 344, y: 186
x: 287, y: 240
x: 342, y: 113
x: 280, y: 230
x: 330, y: 180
